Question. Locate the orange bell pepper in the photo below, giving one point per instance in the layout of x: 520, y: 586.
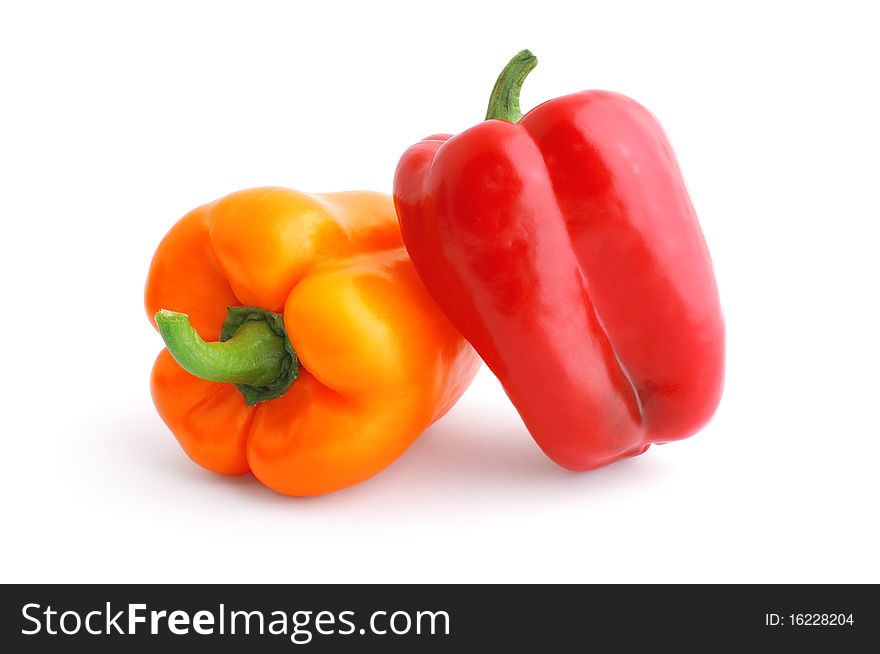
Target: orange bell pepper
x: 332, y: 356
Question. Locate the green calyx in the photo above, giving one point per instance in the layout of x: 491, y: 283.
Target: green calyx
x: 253, y: 352
x: 504, y: 101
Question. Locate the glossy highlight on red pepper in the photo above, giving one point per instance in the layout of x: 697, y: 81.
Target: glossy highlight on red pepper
x: 564, y: 246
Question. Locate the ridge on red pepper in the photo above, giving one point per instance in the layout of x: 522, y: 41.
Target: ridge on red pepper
x: 564, y: 246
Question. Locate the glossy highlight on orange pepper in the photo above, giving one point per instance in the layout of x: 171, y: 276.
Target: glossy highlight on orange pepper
x: 370, y: 362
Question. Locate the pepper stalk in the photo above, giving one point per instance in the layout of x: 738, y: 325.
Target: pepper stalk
x: 504, y: 101
x: 254, y: 351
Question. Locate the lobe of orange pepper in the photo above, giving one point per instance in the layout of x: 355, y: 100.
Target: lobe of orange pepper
x: 380, y: 362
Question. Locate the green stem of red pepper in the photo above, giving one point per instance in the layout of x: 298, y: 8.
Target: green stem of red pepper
x: 504, y: 101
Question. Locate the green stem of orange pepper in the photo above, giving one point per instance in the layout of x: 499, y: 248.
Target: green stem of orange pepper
x: 253, y: 352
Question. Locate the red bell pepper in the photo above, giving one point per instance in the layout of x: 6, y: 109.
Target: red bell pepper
x: 564, y: 246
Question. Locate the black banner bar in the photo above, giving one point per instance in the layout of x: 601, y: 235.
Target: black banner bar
x: 428, y: 618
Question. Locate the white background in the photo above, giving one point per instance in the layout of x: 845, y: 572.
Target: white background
x: 117, y: 118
